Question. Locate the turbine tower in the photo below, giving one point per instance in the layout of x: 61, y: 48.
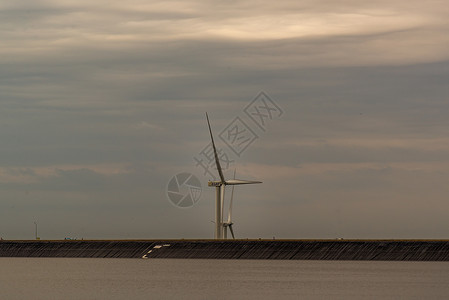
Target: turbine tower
x: 220, y: 191
x: 229, y: 223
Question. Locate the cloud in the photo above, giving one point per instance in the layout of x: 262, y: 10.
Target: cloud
x: 102, y: 102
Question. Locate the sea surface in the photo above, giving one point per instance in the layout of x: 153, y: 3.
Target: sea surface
x: 92, y: 278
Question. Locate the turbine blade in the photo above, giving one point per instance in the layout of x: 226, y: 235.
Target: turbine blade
x: 232, y: 231
x: 238, y: 181
x: 217, y: 162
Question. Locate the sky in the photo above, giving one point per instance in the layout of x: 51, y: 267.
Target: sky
x: 103, y: 102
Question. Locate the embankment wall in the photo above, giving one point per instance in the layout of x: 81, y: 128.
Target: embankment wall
x: 388, y: 250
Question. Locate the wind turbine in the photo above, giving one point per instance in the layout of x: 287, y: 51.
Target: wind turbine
x: 220, y: 190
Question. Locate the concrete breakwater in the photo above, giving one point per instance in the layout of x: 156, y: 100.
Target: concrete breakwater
x: 388, y: 250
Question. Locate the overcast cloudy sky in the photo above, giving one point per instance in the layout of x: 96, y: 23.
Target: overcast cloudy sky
x: 102, y: 102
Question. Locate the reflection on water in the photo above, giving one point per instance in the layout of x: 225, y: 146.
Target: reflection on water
x: 78, y: 278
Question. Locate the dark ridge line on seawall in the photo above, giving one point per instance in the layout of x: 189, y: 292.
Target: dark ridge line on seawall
x: 231, y: 240
x: 326, y: 249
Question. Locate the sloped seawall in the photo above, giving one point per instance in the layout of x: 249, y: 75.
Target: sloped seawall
x: 388, y: 250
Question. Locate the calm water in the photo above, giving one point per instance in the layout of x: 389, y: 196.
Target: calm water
x: 63, y: 278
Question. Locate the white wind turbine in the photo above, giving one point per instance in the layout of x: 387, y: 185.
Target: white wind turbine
x: 220, y: 191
